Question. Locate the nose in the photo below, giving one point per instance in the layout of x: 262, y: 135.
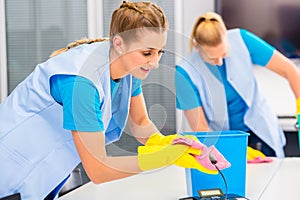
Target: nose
x: 154, y: 61
x: 153, y: 65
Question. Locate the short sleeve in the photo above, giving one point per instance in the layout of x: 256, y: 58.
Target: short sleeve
x: 260, y: 51
x: 81, y: 102
x: 136, y: 87
x: 187, y: 95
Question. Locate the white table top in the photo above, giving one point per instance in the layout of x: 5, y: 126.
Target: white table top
x: 259, y: 176
x: 162, y: 184
x: 276, y: 180
x: 265, y: 181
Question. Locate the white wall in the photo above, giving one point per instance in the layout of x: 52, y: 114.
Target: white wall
x: 279, y: 95
x: 277, y: 91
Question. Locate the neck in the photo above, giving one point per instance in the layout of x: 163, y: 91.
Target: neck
x: 117, y: 70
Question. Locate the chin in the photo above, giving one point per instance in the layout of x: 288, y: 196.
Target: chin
x: 141, y: 77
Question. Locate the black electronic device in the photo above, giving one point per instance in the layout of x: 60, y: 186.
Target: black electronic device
x: 227, y: 197
x: 189, y: 198
x: 215, y: 193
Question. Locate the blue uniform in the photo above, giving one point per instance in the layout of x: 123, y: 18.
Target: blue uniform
x: 260, y: 53
x: 87, y: 116
x: 236, y: 80
x: 36, y: 152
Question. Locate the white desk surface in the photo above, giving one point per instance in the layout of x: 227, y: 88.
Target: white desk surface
x: 162, y: 184
x: 276, y: 180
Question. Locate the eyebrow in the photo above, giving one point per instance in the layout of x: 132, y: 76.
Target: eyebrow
x: 212, y: 58
x: 152, y: 48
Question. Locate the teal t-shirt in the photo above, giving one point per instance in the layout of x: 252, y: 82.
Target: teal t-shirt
x: 82, y: 107
x: 188, y: 96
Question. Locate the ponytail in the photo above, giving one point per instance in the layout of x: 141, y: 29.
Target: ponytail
x: 208, y: 30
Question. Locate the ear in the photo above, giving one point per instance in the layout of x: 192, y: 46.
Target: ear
x: 195, y: 44
x: 118, y: 44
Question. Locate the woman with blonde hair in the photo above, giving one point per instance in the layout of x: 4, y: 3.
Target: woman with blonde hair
x: 216, y: 88
x: 80, y: 100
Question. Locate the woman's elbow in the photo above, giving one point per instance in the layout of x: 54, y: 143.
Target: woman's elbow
x: 98, y: 178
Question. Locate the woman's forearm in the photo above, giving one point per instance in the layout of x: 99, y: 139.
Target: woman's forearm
x: 98, y: 166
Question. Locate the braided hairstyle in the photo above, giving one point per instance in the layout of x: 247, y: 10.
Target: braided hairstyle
x: 137, y: 15
x: 208, y: 30
x: 76, y: 43
x: 129, y: 16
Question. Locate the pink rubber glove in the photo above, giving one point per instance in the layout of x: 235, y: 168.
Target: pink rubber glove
x: 207, y: 156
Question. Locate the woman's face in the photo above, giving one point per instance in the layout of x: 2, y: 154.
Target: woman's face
x: 141, y: 56
x: 214, y: 54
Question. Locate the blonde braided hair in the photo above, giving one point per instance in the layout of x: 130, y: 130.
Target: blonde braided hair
x: 135, y: 15
x: 129, y: 5
x: 127, y: 17
x: 76, y: 43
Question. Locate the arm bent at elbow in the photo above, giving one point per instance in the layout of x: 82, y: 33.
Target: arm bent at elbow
x: 99, y: 167
x: 287, y: 69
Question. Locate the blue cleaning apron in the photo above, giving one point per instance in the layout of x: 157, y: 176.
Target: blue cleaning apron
x: 259, y: 116
x: 36, y: 153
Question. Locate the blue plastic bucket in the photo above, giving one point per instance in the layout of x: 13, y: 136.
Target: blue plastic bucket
x: 233, y: 146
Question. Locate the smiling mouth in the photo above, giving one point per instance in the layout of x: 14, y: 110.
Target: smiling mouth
x: 146, y: 70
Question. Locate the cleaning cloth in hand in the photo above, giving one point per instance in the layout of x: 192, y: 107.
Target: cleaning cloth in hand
x: 256, y: 156
x: 211, y: 154
x: 190, y: 142
x: 207, y: 156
